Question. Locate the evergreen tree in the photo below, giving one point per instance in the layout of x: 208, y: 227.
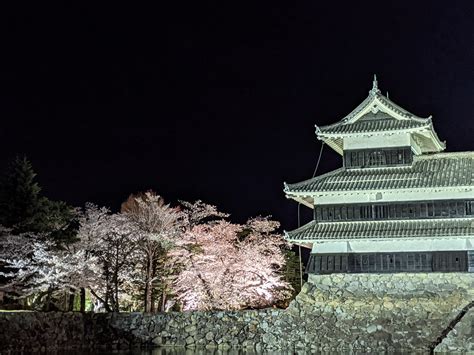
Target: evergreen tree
x: 24, y: 209
x: 20, y: 201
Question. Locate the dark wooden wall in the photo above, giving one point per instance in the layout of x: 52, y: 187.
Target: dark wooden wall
x: 443, y: 261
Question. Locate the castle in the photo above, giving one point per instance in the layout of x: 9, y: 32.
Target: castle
x: 398, y: 204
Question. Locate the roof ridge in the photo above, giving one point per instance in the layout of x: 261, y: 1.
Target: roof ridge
x: 397, y: 107
x: 385, y: 101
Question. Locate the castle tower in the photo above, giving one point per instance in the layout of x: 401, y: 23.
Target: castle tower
x: 398, y: 203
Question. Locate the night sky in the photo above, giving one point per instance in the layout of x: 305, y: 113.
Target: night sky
x: 218, y: 102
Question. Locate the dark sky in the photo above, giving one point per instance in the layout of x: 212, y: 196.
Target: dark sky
x: 218, y: 102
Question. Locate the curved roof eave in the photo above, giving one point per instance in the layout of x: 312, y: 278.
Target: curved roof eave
x: 376, y: 99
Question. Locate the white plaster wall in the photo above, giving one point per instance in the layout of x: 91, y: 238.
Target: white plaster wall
x: 377, y: 141
x: 381, y: 246
x: 447, y: 193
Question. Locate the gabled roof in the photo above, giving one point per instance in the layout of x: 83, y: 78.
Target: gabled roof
x: 378, y: 114
x: 375, y: 122
x: 427, y: 171
x: 390, y: 229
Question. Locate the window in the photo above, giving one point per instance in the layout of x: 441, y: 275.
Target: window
x: 453, y: 211
x: 337, y: 262
x: 344, y: 213
x: 404, y: 211
x: 407, y: 156
x: 365, y: 212
x: 417, y: 210
x: 356, y: 212
x: 390, y: 211
x: 324, y: 213
x: 400, y: 158
x: 330, y: 213
x: 354, y: 159
x: 350, y: 212
x: 318, y: 213
x: 393, y: 157
x: 324, y: 263
x: 430, y: 209
x: 377, y: 157
x: 423, y: 210
x: 446, y: 261
x: 364, y: 262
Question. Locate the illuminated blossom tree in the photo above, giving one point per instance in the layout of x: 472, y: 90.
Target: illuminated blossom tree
x: 158, y: 225
x: 230, y: 266
x: 153, y: 251
x: 13, y: 249
x: 35, y: 266
x: 198, y: 211
x: 109, y: 241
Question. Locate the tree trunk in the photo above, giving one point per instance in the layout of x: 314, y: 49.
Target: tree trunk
x: 148, y: 283
x: 65, y: 305
x: 145, y: 300
x: 47, y: 305
x: 163, y: 300
x: 83, y: 299
x: 106, y: 305
x: 116, y: 281
x: 70, y: 303
x: 148, y: 296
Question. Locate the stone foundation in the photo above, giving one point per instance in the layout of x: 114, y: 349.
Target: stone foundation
x: 381, y: 312
x: 461, y: 338
x: 399, y: 284
x: 366, y: 312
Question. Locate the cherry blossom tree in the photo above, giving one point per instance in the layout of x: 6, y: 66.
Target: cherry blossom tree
x: 230, y: 266
x: 198, y: 211
x: 110, y: 242
x: 13, y: 248
x: 34, y: 265
x: 153, y: 251
x: 158, y: 225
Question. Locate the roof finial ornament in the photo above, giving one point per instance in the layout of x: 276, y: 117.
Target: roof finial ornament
x: 387, y: 95
x: 375, y: 87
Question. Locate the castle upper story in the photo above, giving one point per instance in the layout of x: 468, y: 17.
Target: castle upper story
x: 389, y: 155
x: 387, y: 134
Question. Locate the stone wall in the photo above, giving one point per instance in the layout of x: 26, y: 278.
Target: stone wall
x: 379, y: 312
x: 461, y: 337
x: 335, y: 312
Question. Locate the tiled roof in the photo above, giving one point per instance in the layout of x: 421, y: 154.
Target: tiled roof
x: 427, y: 228
x: 377, y: 114
x: 385, y: 101
x: 427, y: 171
x: 374, y: 122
